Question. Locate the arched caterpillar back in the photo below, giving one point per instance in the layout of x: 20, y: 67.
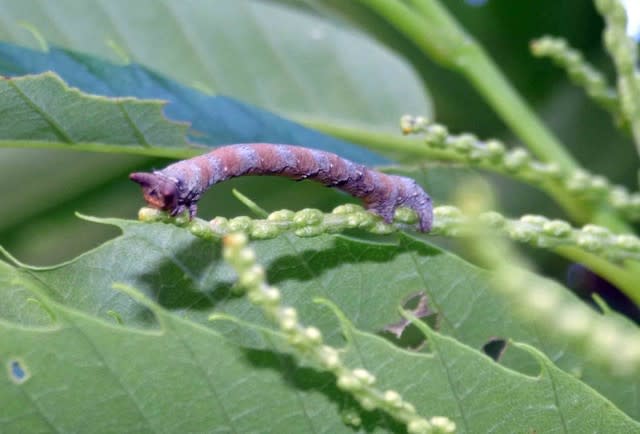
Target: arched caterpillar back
x: 179, y: 186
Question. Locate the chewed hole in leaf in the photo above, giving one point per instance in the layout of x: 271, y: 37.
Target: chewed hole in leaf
x: 418, y: 305
x: 403, y: 333
x: 18, y: 372
x: 495, y: 348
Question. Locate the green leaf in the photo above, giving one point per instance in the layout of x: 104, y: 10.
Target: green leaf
x: 481, y: 396
x: 84, y: 374
x: 214, y: 120
x: 43, y: 108
x: 42, y: 111
x: 367, y: 280
x: 307, y: 66
x: 68, y: 182
x: 20, y: 292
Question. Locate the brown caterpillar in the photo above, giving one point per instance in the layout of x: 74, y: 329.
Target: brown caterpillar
x: 179, y: 186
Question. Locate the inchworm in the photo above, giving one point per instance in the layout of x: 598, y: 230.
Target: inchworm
x: 179, y: 186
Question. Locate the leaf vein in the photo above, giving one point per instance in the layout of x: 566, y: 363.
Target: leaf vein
x: 112, y: 373
x: 438, y: 354
x: 300, y: 400
x: 556, y: 399
x: 57, y: 128
x: 203, y: 372
x: 432, y: 300
x: 134, y: 126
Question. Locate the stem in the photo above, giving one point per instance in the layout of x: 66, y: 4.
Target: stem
x: 440, y: 37
x: 436, y: 33
x: 486, y: 77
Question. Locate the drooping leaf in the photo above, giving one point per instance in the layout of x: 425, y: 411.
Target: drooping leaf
x: 80, y: 373
x: 293, y: 63
x: 367, y: 280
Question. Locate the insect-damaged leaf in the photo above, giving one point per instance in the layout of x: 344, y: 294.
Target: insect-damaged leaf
x: 178, y: 376
x: 367, y: 280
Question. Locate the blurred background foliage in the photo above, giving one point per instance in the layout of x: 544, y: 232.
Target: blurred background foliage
x: 260, y: 58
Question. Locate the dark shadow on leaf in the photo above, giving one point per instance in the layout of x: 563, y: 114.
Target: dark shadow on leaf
x: 307, y: 264
x: 189, y: 278
x: 191, y: 275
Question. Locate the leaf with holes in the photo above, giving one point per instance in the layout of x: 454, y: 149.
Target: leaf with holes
x: 174, y: 375
x: 367, y: 280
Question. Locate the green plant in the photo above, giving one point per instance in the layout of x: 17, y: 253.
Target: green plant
x: 324, y: 321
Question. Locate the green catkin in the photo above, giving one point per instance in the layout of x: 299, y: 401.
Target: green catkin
x: 624, y: 53
x: 537, y: 231
x: 518, y: 163
x: 541, y: 300
x: 307, y: 342
x: 607, y: 339
x: 580, y: 72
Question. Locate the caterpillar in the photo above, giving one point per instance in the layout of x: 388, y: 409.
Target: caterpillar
x: 179, y: 186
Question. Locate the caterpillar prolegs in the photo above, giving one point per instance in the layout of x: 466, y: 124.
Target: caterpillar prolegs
x: 179, y: 186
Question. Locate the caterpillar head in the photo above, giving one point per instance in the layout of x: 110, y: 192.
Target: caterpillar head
x: 159, y: 191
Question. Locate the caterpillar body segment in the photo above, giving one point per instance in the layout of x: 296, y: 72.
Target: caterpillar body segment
x: 179, y: 186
